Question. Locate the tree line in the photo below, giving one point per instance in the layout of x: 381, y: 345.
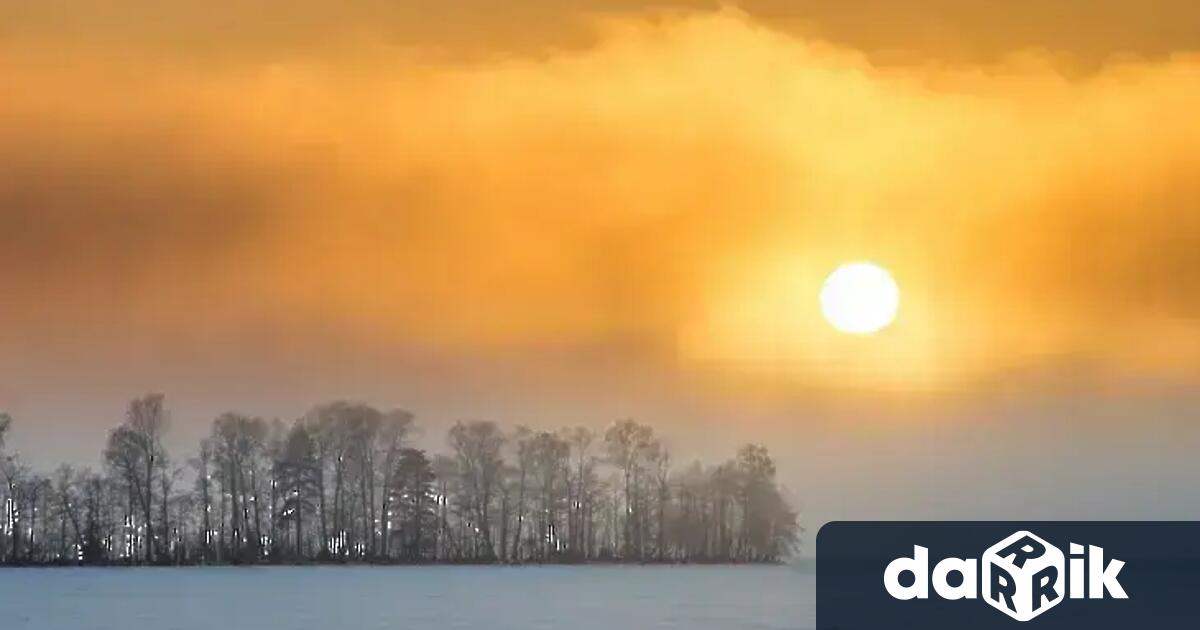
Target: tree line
x: 343, y: 483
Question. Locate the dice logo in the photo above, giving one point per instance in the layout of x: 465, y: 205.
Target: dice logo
x: 1023, y: 576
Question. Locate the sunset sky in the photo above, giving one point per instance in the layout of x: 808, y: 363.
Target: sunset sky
x: 569, y: 212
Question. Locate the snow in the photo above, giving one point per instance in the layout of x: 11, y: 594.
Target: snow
x: 435, y: 598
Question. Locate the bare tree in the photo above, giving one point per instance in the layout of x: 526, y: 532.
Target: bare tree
x: 5, y: 423
x: 580, y: 490
x: 476, y: 447
x: 135, y: 452
x: 14, y: 476
x: 67, y: 485
x: 238, y: 445
x: 331, y: 424
x: 627, y: 444
x: 660, y: 462
x: 202, y: 464
x: 551, y: 460
x: 447, y: 483
x: 259, y: 494
x: 523, y: 439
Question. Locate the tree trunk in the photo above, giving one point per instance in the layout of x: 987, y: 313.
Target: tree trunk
x: 516, y: 546
x: 323, y: 546
x: 150, y: 549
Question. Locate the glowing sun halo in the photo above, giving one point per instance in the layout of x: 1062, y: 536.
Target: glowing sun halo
x: 860, y: 298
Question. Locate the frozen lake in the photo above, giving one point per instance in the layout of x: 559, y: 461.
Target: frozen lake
x: 349, y: 598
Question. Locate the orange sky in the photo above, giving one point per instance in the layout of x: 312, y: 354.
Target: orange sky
x: 569, y: 212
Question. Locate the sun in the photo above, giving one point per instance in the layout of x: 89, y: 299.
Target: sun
x: 860, y: 298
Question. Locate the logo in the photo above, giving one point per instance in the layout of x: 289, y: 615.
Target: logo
x: 1022, y: 576
x: 1007, y: 575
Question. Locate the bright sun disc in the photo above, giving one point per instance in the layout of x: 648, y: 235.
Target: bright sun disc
x: 860, y: 298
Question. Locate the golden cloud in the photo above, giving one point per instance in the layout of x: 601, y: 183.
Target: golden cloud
x: 681, y: 188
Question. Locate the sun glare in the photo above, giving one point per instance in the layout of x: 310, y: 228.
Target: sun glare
x: 860, y: 298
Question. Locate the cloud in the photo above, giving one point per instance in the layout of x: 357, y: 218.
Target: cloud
x: 679, y: 189
x: 1085, y: 32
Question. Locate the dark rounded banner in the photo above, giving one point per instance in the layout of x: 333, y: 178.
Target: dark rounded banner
x: 1061, y: 575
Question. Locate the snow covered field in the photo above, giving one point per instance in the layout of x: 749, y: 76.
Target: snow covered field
x: 336, y: 598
